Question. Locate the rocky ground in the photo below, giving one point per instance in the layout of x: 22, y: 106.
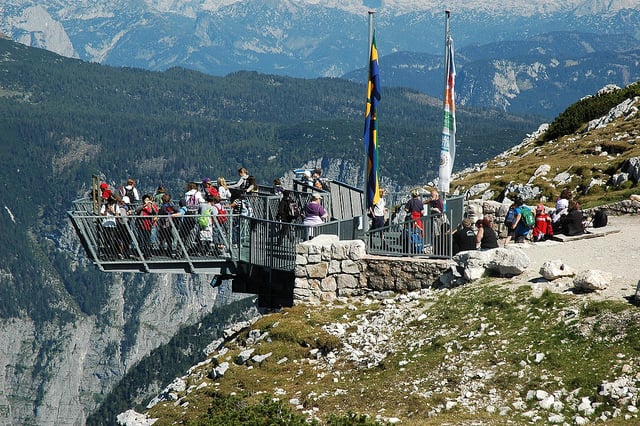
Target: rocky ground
x: 370, y: 338
x: 616, y: 252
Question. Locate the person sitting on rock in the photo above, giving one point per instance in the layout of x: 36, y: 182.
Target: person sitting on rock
x: 574, y: 222
x: 464, y: 238
x: 543, y: 228
x: 562, y: 209
x: 486, y: 237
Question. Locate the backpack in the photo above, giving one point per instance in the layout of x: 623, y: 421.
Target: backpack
x: 510, y: 217
x: 293, y: 210
x: 204, y: 220
x: 127, y: 192
x: 600, y: 219
x: 527, y: 216
x: 222, y: 215
x: 192, y: 204
x: 165, y: 210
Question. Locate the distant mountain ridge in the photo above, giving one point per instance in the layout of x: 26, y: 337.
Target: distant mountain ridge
x: 509, y: 53
x: 543, y: 74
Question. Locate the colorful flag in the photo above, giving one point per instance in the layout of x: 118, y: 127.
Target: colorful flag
x: 371, y: 127
x: 448, y: 146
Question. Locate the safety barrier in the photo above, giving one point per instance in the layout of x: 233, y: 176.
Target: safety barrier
x: 428, y: 236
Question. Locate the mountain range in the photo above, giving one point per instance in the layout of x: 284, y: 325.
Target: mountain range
x: 72, y: 333
x: 507, y: 59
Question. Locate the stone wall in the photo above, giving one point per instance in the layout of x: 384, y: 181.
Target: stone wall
x: 327, y: 268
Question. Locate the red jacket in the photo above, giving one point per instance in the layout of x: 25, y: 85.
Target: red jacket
x: 543, y: 225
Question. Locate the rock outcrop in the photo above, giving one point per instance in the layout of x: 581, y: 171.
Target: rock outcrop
x: 76, y: 360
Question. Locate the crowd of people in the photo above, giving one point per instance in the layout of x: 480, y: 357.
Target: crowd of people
x: 523, y: 224
x: 199, y: 216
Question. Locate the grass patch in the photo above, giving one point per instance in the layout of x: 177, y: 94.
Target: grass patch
x: 487, y: 339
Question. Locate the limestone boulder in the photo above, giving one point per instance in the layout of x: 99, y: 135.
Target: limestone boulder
x: 554, y: 269
x: 592, y: 280
x: 508, y: 262
x: 505, y: 262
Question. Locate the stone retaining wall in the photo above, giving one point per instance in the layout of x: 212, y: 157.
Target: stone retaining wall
x: 327, y: 268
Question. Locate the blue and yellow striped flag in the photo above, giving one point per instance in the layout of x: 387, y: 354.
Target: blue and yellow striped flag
x: 371, y: 127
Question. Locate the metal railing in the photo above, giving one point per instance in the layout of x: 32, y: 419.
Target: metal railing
x: 428, y: 236
x: 147, y: 243
x: 341, y: 200
x: 273, y: 244
x: 166, y: 243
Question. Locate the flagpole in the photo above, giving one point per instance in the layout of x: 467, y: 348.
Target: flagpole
x: 364, y: 169
x: 447, y: 35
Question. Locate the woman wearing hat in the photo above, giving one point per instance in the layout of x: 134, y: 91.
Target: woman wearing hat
x: 314, y: 214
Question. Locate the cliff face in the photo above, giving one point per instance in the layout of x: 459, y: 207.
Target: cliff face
x: 55, y: 373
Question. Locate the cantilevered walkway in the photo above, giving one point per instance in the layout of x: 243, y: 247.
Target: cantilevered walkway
x: 257, y: 252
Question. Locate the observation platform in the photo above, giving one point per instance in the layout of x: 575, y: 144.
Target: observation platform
x: 257, y: 252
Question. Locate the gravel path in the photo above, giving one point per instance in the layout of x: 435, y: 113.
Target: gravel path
x: 616, y: 253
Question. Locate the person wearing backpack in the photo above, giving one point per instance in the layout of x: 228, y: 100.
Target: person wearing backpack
x: 130, y: 190
x: 205, y: 225
x: 193, y: 199
x: 241, y: 184
x: 288, y: 212
x: 509, y: 218
x: 520, y: 227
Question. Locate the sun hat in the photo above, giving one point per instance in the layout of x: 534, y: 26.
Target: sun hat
x: 562, y: 203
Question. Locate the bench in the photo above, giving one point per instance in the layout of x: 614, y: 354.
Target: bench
x: 590, y: 233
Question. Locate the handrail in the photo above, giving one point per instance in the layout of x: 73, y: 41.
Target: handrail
x: 273, y: 243
x: 147, y: 241
x: 428, y: 236
x: 152, y: 239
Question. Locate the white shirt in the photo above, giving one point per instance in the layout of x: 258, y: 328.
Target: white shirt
x: 379, y: 207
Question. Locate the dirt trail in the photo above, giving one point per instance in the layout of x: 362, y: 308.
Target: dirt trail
x: 617, y: 253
